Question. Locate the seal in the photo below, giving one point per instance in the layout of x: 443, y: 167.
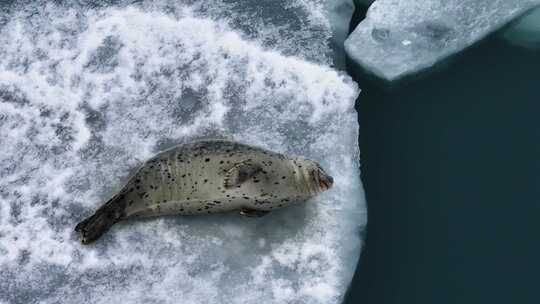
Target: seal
x: 209, y: 176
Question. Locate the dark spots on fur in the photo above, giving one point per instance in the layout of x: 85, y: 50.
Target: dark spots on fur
x: 228, y: 195
x: 205, y: 181
x: 206, y: 207
x: 283, y: 177
x: 245, y: 197
x: 221, y: 162
x: 130, y: 203
x: 181, y: 209
x: 217, y: 202
x: 183, y: 175
x: 141, y: 195
x: 137, y: 181
x: 280, y: 205
x: 207, y: 160
x: 276, y: 183
x: 199, y: 209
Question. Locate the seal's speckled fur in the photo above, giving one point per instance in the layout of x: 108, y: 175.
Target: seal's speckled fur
x: 208, y: 177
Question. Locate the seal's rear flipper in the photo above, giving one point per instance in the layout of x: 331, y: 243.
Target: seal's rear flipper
x: 95, y: 226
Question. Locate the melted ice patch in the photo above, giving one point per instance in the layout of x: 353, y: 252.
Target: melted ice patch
x: 87, y: 94
x: 401, y: 37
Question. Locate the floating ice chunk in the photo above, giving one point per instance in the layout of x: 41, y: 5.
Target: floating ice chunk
x: 401, y: 37
x: 526, y: 31
x: 86, y: 94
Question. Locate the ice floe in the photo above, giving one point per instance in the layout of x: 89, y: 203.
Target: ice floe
x: 89, y: 91
x: 401, y: 37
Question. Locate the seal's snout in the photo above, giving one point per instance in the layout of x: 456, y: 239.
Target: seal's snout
x: 330, y: 179
x: 325, y: 181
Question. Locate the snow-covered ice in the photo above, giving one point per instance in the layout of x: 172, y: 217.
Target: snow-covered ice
x: 89, y: 91
x: 525, y: 32
x: 402, y: 37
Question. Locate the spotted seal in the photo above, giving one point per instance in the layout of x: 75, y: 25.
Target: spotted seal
x: 209, y: 176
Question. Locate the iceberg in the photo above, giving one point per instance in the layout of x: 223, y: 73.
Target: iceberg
x: 89, y: 91
x: 525, y: 32
x: 402, y: 37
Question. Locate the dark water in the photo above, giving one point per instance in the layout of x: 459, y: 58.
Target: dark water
x: 451, y: 167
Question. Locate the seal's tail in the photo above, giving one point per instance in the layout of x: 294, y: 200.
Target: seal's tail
x: 96, y: 225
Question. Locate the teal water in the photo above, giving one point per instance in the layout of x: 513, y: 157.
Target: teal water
x: 451, y: 167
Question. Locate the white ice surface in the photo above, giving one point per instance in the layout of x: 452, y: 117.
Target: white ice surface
x: 525, y: 32
x: 88, y: 92
x: 402, y: 37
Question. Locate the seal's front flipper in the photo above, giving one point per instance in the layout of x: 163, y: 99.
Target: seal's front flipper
x: 240, y: 173
x: 253, y: 213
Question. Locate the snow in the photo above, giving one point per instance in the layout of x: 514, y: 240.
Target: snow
x: 402, y: 37
x: 89, y: 91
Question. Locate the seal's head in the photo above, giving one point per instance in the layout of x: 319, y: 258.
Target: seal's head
x: 313, y: 176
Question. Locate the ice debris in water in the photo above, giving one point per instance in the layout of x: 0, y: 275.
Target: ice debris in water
x: 88, y: 92
x: 402, y: 37
x: 525, y: 32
